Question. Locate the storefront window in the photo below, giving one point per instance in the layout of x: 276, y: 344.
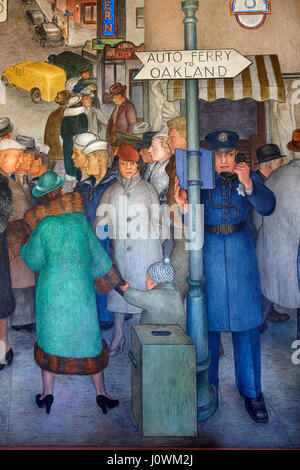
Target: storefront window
x: 140, y: 15
x: 136, y: 94
x: 90, y: 13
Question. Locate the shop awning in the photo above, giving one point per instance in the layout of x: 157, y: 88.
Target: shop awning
x: 261, y: 81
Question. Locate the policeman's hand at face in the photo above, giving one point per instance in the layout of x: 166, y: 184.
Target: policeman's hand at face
x: 225, y: 162
x: 242, y: 171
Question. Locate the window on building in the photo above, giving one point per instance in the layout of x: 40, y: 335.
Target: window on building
x: 90, y: 13
x: 140, y: 17
x: 136, y: 93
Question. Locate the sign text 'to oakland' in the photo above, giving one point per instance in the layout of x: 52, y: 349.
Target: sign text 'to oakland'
x: 176, y: 65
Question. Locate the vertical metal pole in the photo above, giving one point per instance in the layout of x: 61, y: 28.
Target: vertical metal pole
x: 100, y: 58
x: 196, y: 308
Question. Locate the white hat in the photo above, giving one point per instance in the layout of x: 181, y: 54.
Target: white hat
x: 86, y: 92
x: 73, y: 100
x: 9, y: 144
x: 141, y: 127
x: 43, y: 148
x: 80, y: 141
x: 162, y: 133
x: 95, y: 145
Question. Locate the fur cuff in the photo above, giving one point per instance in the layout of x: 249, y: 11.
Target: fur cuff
x: 109, y: 281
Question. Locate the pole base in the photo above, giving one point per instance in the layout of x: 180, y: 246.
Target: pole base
x: 206, y: 411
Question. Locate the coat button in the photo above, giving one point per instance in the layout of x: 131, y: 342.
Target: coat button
x: 224, y: 200
x: 129, y: 248
x: 223, y: 187
x: 128, y: 235
x: 224, y: 220
x: 129, y: 219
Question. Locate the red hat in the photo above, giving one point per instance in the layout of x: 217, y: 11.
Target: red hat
x: 128, y: 153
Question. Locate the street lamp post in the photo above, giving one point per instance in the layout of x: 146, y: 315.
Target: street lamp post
x: 196, y: 307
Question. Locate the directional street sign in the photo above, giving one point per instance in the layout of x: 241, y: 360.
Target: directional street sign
x: 176, y: 65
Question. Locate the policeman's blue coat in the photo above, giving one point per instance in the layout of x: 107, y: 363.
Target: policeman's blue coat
x: 233, y: 294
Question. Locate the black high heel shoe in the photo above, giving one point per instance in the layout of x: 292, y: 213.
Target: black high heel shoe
x: 46, y: 402
x: 103, y: 401
x: 8, y: 359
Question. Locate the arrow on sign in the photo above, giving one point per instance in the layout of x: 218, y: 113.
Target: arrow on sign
x: 184, y: 65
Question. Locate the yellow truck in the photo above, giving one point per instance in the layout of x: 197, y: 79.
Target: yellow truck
x: 40, y: 79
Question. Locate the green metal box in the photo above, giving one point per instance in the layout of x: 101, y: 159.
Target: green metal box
x: 163, y: 380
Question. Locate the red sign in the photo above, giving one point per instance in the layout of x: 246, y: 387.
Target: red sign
x: 123, y: 50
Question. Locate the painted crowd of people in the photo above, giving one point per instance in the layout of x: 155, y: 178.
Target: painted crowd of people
x: 92, y: 225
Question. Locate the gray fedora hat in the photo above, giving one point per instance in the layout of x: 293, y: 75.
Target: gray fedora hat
x: 5, y: 126
x: 28, y: 143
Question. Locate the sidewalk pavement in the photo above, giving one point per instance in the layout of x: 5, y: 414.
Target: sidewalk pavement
x: 76, y: 420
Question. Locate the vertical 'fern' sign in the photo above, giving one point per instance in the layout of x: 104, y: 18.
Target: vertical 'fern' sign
x: 108, y: 19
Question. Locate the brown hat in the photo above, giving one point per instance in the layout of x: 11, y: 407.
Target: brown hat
x: 116, y: 89
x: 128, y: 153
x: 62, y: 97
x: 294, y: 145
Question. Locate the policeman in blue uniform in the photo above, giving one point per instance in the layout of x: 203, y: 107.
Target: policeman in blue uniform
x: 233, y: 295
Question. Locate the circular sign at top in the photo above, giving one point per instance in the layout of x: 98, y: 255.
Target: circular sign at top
x: 250, y: 14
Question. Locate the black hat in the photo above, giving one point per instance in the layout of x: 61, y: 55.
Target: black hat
x: 268, y: 152
x: 28, y: 142
x: 5, y: 126
x: 146, y: 141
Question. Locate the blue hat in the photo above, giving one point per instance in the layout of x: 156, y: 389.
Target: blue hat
x: 222, y: 141
x: 47, y: 183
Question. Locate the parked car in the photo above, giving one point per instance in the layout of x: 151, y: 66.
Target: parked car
x: 70, y: 62
x: 35, y: 17
x: 40, y: 79
x: 88, y: 52
x: 49, y: 34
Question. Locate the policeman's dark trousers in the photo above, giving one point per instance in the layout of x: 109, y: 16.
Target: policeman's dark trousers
x: 246, y: 348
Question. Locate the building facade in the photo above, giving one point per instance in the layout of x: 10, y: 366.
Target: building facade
x: 263, y: 102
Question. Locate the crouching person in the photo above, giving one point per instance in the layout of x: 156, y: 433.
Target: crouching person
x: 162, y: 303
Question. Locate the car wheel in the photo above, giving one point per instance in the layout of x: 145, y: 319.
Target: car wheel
x: 4, y: 80
x: 35, y: 95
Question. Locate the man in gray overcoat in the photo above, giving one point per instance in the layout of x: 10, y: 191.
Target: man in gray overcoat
x: 278, y: 237
x: 269, y: 158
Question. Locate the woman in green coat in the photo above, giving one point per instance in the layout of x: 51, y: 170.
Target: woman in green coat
x: 71, y: 260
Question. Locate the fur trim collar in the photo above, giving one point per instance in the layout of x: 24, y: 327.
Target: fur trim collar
x: 74, y: 111
x: 68, y: 203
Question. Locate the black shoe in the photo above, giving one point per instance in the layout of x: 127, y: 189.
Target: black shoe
x: 106, y: 325
x: 103, y: 401
x: 8, y: 359
x: 46, y: 402
x: 263, y: 327
x: 277, y: 317
x: 256, y: 409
